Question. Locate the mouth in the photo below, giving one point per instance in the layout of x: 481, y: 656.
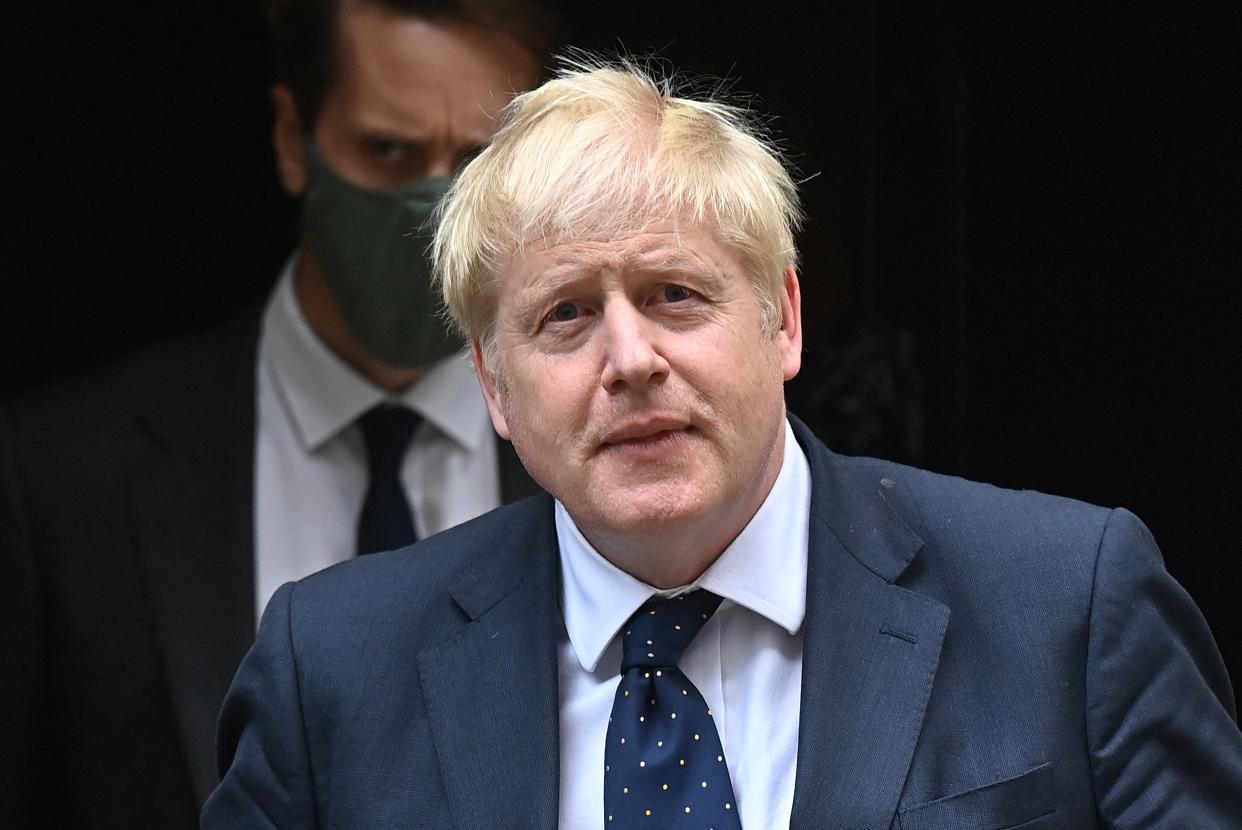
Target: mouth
x: 649, y: 438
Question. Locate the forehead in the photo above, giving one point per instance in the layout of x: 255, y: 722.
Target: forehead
x: 398, y: 71
x: 657, y: 248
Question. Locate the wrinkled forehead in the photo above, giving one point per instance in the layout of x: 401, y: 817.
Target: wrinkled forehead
x: 641, y: 243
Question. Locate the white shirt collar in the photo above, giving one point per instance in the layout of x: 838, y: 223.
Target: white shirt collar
x: 763, y: 569
x: 321, y: 395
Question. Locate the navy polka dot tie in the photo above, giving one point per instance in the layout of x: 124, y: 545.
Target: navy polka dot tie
x: 663, y: 763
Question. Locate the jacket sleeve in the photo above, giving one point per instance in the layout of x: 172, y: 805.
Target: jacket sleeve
x: 263, y: 755
x: 1165, y: 747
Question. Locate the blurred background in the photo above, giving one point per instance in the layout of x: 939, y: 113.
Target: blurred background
x: 1021, y: 263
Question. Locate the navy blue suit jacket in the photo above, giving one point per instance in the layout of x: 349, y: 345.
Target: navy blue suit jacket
x: 974, y: 658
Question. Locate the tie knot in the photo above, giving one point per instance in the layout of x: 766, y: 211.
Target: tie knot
x: 661, y: 630
x: 386, y: 431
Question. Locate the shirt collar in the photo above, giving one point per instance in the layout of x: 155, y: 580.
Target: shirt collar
x: 763, y: 569
x: 449, y: 398
x: 322, y: 395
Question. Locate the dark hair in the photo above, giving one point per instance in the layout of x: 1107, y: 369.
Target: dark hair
x: 305, y: 36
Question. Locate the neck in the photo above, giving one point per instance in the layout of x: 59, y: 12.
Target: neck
x: 657, y: 560
x: 323, y: 315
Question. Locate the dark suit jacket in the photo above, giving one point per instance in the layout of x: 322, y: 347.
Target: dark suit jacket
x: 974, y: 658
x: 129, y: 500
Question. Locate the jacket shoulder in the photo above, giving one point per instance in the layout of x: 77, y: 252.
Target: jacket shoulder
x: 434, y: 585
x: 936, y: 500
x: 964, y: 529
x: 94, y: 417
x: 166, y: 366
x: 930, y: 500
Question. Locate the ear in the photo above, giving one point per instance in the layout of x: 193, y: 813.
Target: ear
x: 790, y: 334
x: 287, y: 135
x: 490, y: 392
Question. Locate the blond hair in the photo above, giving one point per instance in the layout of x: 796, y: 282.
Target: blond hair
x: 604, y: 148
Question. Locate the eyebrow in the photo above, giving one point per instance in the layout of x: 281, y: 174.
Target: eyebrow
x: 530, y: 300
x: 386, y: 124
x: 568, y: 271
x: 675, y: 258
x: 678, y: 264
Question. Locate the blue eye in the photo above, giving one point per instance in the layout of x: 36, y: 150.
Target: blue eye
x: 564, y: 313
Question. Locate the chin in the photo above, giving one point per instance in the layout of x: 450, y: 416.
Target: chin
x: 645, y: 507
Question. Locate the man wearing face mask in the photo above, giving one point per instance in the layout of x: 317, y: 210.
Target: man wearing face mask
x: 155, y: 506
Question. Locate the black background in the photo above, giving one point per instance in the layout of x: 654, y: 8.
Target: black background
x: 1033, y: 209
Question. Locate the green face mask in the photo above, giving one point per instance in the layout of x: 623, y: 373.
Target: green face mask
x: 372, y: 248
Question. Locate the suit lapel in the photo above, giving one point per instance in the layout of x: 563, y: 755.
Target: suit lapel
x: 870, y: 653
x: 192, y: 514
x: 492, y: 691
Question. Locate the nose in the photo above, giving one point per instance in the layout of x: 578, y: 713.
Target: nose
x: 632, y: 358
x: 449, y: 153
x: 443, y: 156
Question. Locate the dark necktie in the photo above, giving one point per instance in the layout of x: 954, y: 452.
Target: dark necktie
x: 386, y: 521
x: 663, y: 763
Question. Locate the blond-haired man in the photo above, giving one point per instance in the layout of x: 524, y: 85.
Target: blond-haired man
x: 712, y: 621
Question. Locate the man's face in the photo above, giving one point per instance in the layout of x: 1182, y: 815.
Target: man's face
x: 637, y: 381
x: 411, y: 98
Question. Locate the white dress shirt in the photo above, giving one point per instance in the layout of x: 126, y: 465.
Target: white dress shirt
x: 746, y: 660
x: 310, y: 464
